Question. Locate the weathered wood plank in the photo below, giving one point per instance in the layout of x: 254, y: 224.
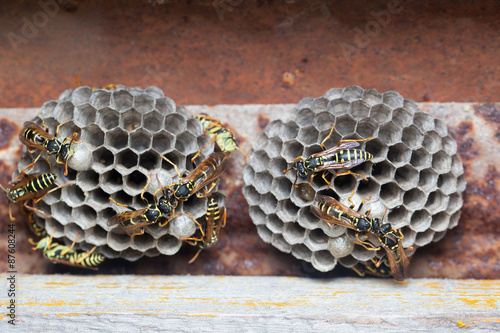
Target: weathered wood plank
x: 251, y: 304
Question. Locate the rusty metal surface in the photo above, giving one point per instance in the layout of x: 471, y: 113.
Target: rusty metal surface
x: 212, y: 52
x: 469, y: 251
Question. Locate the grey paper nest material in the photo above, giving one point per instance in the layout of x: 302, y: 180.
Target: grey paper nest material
x: 123, y: 133
x: 416, y: 173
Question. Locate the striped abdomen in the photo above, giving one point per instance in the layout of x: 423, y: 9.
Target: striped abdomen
x: 350, y: 155
x: 32, y: 136
x: 213, y: 216
x: 40, y: 183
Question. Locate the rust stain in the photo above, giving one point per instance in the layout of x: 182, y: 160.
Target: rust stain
x: 491, y: 113
x: 467, y: 147
x: 8, y: 131
x: 262, y: 121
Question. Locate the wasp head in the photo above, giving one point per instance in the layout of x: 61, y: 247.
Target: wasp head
x: 301, y: 169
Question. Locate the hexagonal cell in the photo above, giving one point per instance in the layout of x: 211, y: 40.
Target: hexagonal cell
x: 74, y: 195
x: 344, y: 184
x: 380, y: 113
x: 282, y: 187
x: 175, y: 123
x: 323, y: 121
x: 440, y: 127
x: 436, y: 202
x: 333, y: 93
x: 96, y: 236
x: 121, y: 100
x: 424, y: 238
x: 367, y: 127
x: 287, y: 211
x: 292, y: 149
x: 84, y: 115
x: 265, y: 234
x: 300, y: 251
x: 440, y: 222
x: 153, y: 121
x: 362, y: 254
x: 423, y: 121
x: 260, y: 141
x: 432, y: 142
x: 399, y: 154
x: 352, y: 93
x: 64, y: 111
x: 163, y: 141
x: 274, y: 128
x: 420, y: 221
x: 372, y: 97
x: 149, y: 160
x: 100, y: 99
x: 449, y: 145
x: 393, y: 99
x: 61, y: 212
x: 341, y: 246
x: 455, y: 203
x: 441, y: 162
x: 409, y: 236
x: 447, y: 183
x: 279, y: 242
x: 269, y: 203
x: 136, y: 181
x: 116, y: 138
x: 108, y: 118
x: 293, y: 233
x: 126, y: 159
x: 345, y: 125
x: 102, y: 158
x: 274, y: 147
x: 263, y: 182
x: 420, y: 159
x: 316, y: 240
x: 398, y: 217
x: 339, y: 107
x: 257, y: 215
x: 251, y: 195
x: 93, y: 135
x: 308, y: 135
x: 111, y: 181
x: 369, y: 188
x: 98, y: 197
x: 454, y: 220
x: 67, y: 129
x: 144, y: 103
x: 389, y: 133
x: 305, y: 117
x: 140, y: 140
x: 143, y: 243
x: 87, y: 180
x: 412, y: 137
x: 402, y: 117
x: 260, y: 161
x: 289, y: 131
x: 414, y: 199
x: 406, y: 177
x: 323, y: 261
x: 391, y: 195
x: 178, y: 159
x: 428, y: 180
x: 186, y: 143
x: 165, y: 105
x: 168, y: 245
x: 360, y: 109
x: 54, y: 196
x: 461, y: 183
x: 377, y: 148
x: 383, y: 172
x: 85, y: 216
x: 457, y: 167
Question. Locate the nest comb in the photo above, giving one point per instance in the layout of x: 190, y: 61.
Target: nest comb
x: 123, y: 132
x: 416, y: 173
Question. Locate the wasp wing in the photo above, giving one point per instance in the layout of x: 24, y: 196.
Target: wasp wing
x: 128, y: 221
x: 331, y: 203
x: 211, y: 168
x: 38, y: 130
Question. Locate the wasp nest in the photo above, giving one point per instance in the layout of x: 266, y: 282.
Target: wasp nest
x: 123, y: 132
x: 415, y: 173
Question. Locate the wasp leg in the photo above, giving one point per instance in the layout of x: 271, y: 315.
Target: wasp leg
x: 86, y: 255
x: 352, y: 203
x: 57, y: 128
x: 33, y: 209
x: 72, y: 244
x: 367, y: 245
x: 324, y: 178
x: 54, y: 189
x: 207, y: 192
x: 192, y: 218
x: 195, y: 256
x: 359, y: 140
x: 23, y: 174
x: 205, y: 146
x: 147, y: 184
x: 360, y: 272
x: 175, y: 166
x: 327, y: 137
x: 348, y: 172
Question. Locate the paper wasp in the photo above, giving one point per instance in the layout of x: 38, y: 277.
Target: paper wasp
x: 223, y: 136
x: 35, y: 228
x: 215, y: 218
x: 333, y: 212
x: 205, y: 174
x: 62, y: 254
x: 134, y: 220
x: 370, y: 267
x: 342, y: 156
x: 34, y: 186
x: 35, y: 137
